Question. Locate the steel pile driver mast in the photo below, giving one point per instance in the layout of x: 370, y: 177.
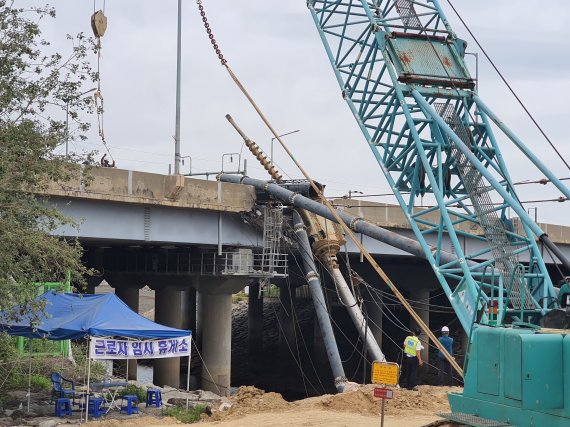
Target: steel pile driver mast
x: 402, y: 73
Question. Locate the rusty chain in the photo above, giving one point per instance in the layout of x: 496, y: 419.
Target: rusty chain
x: 210, y: 33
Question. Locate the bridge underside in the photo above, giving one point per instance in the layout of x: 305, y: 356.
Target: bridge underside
x: 192, y: 291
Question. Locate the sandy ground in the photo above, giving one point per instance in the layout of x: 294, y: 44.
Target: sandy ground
x: 313, y: 417
x: 302, y: 417
x: 253, y: 407
x: 354, y: 408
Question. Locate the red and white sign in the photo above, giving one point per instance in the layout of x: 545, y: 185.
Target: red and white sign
x: 383, y: 393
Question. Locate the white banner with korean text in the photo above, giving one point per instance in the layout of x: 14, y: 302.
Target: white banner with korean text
x: 110, y: 348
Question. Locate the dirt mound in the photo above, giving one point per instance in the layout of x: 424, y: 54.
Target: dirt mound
x: 250, y: 400
x: 250, y: 397
x: 360, y: 400
x: 428, y: 399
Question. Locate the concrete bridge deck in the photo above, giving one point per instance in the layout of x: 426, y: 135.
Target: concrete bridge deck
x: 116, y: 204
x: 126, y: 186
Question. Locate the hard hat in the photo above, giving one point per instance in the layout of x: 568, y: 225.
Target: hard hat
x: 445, y: 329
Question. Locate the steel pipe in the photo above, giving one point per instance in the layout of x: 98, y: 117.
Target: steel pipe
x: 355, y: 313
x: 556, y: 251
x: 357, y: 224
x: 319, y: 303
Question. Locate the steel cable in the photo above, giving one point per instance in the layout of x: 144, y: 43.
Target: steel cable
x: 508, y: 85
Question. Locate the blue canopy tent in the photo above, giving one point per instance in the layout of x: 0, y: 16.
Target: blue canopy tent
x: 74, y: 316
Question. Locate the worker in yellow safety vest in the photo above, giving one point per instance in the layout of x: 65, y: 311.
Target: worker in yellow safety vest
x: 412, y: 359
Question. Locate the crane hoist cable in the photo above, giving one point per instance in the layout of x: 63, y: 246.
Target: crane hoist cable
x: 508, y: 85
x: 439, y: 58
x: 99, y: 26
x: 323, y: 199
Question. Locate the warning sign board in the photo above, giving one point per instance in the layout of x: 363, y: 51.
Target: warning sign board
x: 385, y: 373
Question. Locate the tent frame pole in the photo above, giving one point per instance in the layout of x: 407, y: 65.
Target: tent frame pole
x: 127, y: 377
x: 30, y: 377
x: 188, y: 373
x: 88, y: 377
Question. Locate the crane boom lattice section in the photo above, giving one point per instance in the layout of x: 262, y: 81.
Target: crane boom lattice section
x: 395, y: 62
x: 506, y: 260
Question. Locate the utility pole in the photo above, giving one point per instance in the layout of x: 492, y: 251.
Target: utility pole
x: 178, y: 73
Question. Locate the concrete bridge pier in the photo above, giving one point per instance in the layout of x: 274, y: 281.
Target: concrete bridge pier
x: 374, y: 314
x: 215, y: 323
x: 130, y: 296
x: 255, y: 323
x: 167, y: 311
x: 286, y: 321
x: 188, y: 299
x: 189, y: 322
x: 422, y: 296
x: 91, y: 283
x: 93, y: 258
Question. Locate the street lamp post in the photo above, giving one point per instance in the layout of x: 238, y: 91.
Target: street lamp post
x: 274, y: 138
x: 535, y: 213
x: 178, y: 77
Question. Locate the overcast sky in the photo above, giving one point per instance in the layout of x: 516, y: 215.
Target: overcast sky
x: 275, y: 49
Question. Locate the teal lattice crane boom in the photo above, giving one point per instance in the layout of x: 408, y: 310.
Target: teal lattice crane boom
x: 402, y: 72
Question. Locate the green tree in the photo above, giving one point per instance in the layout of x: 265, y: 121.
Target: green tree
x: 37, y: 87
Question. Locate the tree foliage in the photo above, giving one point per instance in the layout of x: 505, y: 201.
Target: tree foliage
x: 37, y: 88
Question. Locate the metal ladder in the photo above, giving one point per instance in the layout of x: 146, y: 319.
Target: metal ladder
x: 408, y: 13
x: 272, y: 236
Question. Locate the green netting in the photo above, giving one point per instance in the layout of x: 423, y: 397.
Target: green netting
x: 46, y: 347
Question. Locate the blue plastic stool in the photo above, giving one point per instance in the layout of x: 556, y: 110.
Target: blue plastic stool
x: 63, y: 407
x: 132, y: 405
x: 153, y: 397
x: 96, y: 406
